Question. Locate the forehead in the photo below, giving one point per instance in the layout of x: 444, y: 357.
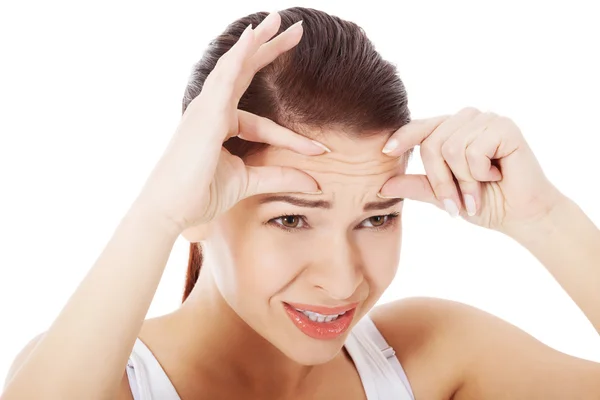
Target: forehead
x: 354, y: 164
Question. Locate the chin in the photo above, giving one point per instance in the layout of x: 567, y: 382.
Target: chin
x: 311, y: 352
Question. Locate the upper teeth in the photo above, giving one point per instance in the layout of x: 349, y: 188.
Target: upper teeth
x: 313, y: 316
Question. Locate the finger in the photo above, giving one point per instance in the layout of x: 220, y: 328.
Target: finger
x: 274, y: 179
x: 411, y: 135
x: 440, y: 177
x: 267, y: 28
x: 235, y: 59
x: 454, y: 153
x: 480, y: 153
x: 417, y: 131
x: 267, y: 53
x: 259, y: 129
x: 219, y: 85
x: 409, y: 186
x: 275, y: 47
x: 228, y: 66
x: 224, y: 80
x: 439, y: 174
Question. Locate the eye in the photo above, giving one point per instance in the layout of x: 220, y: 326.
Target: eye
x: 378, y: 222
x: 289, y: 222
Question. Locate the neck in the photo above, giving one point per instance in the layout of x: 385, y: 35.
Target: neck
x: 225, y: 349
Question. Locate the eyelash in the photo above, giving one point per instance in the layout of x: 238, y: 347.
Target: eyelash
x: 390, y: 222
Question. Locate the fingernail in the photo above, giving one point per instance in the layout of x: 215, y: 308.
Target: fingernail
x: 390, y: 146
x: 451, y: 207
x: 317, y: 192
x: 382, y: 196
x: 470, y: 204
x: 295, y: 25
x: 246, y: 31
x: 321, y: 145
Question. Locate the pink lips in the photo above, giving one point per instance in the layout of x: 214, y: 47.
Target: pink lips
x: 321, y: 330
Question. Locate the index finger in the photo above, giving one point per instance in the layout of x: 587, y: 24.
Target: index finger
x: 412, y: 134
x: 235, y: 69
x: 255, y: 128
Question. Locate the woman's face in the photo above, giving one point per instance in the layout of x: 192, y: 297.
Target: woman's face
x: 274, y: 254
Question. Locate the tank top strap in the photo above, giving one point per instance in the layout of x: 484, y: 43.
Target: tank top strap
x: 147, y: 379
x: 381, y: 373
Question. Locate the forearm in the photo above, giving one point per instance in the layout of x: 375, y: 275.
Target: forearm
x: 567, y: 243
x: 84, y: 353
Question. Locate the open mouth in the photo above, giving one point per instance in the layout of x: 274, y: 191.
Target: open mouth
x: 319, y: 325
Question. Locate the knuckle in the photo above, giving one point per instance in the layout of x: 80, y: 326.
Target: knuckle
x: 491, y: 115
x: 444, y: 189
x: 472, y: 152
x: 501, y: 119
x: 478, y: 174
x: 451, y: 150
x: 506, y: 121
x: 469, y: 111
x: 507, y: 125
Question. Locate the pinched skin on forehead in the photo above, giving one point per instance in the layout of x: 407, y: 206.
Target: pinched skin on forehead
x: 355, y: 167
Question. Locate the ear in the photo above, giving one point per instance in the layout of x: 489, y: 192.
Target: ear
x: 197, y: 233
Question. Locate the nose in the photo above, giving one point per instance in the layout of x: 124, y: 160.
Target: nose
x: 337, y: 267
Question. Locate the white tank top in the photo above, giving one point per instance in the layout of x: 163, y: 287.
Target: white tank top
x: 382, y: 376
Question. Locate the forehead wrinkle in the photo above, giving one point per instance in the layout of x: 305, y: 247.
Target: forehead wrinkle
x: 347, y: 174
x: 351, y: 168
x: 359, y: 196
x: 352, y: 159
x: 358, y: 159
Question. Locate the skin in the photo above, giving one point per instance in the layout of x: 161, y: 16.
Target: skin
x: 330, y: 257
x: 448, y: 350
x: 269, y: 358
x: 250, y: 268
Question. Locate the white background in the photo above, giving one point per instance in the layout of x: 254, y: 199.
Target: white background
x: 91, y: 92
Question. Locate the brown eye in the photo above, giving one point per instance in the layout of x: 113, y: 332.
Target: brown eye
x: 290, y: 221
x: 377, y: 220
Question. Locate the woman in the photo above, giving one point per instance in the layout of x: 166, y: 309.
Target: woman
x: 288, y: 167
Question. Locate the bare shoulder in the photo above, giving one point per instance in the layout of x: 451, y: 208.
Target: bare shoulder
x: 478, y: 355
x: 412, y: 326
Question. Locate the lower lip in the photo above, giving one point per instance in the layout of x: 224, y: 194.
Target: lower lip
x: 320, y: 330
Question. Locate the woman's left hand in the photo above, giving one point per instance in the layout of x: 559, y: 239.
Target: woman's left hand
x: 477, y: 165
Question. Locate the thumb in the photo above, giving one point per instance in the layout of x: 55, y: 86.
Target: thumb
x: 274, y: 179
x: 414, y: 187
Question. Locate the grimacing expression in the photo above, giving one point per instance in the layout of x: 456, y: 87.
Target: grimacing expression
x: 331, y: 249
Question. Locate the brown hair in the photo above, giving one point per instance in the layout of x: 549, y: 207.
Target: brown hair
x: 333, y: 79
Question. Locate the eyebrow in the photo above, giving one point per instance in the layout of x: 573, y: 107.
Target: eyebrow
x: 296, y: 201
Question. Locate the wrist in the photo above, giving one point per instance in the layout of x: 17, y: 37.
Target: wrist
x: 153, y: 219
x: 550, y: 222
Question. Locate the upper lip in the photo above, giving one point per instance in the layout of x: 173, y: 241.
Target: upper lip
x: 324, y: 310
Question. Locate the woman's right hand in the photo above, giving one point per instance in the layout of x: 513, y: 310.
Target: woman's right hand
x: 196, y: 178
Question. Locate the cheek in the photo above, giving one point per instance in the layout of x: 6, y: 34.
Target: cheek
x: 255, y: 261
x: 381, y: 255
x: 267, y: 264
